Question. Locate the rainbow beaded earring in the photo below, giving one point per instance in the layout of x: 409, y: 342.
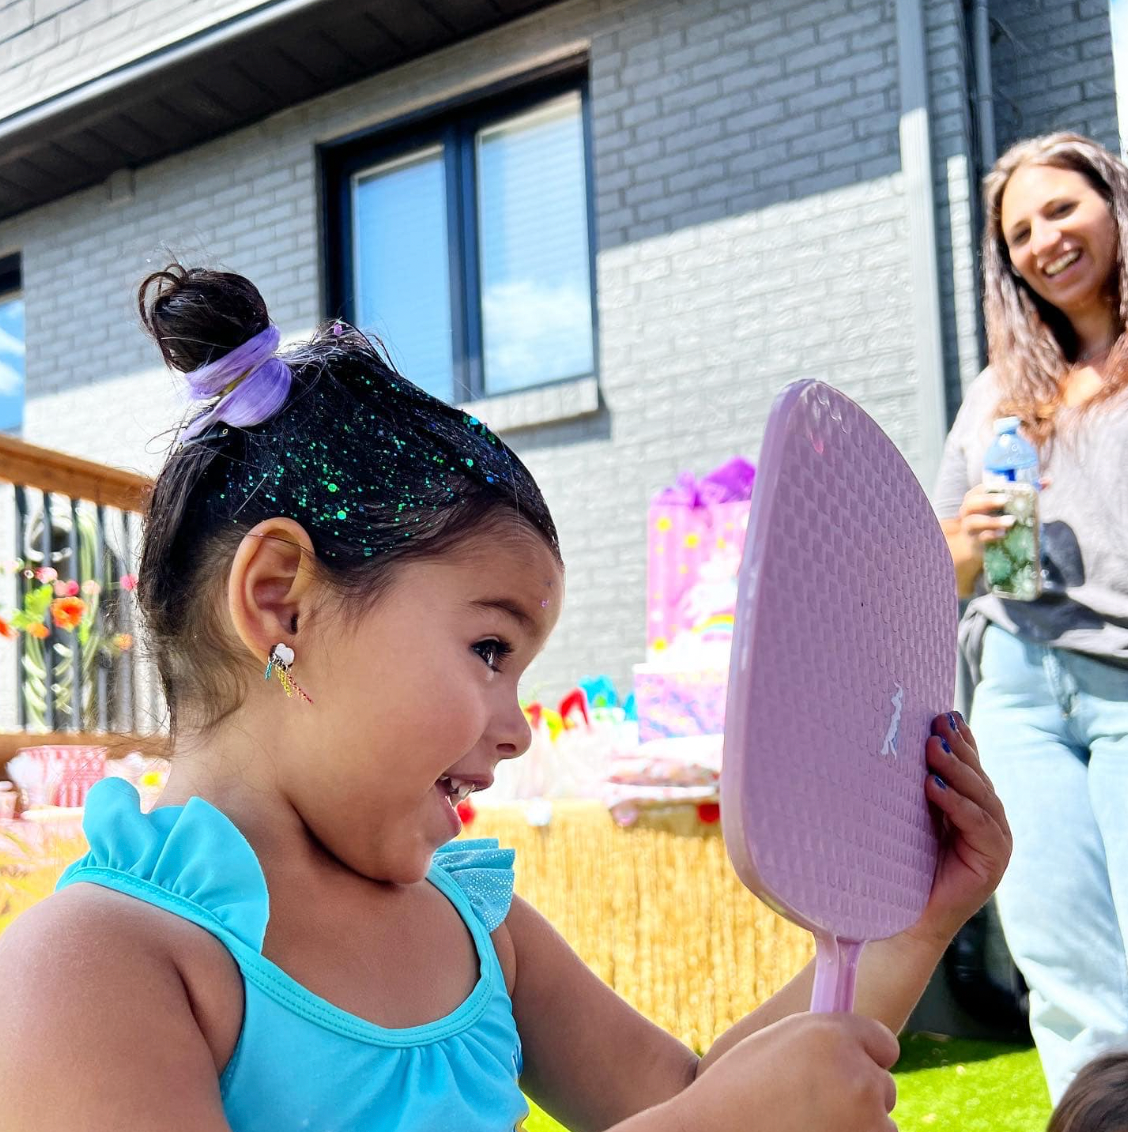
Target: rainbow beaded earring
x: 280, y: 661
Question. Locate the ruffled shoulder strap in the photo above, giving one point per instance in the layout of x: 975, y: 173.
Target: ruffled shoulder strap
x: 190, y: 860
x: 484, y: 872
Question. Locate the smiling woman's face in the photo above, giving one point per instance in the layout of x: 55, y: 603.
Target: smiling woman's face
x: 1061, y: 236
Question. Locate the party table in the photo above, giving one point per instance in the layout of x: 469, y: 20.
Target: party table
x: 653, y: 908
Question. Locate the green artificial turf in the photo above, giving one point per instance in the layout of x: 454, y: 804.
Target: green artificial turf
x: 950, y: 1085
x: 970, y: 1086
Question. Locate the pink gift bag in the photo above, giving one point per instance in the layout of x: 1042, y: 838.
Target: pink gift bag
x: 695, y: 537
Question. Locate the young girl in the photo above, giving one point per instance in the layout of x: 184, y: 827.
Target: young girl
x: 1097, y: 1098
x: 292, y: 940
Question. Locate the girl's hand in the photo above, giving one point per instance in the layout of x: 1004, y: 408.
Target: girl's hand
x: 805, y: 1072
x: 975, y: 840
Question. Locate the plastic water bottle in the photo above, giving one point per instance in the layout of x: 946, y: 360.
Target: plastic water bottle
x: 1011, y: 458
x: 1013, y: 564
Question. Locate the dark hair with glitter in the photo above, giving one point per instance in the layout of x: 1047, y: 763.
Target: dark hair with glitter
x: 377, y: 471
x: 1097, y: 1098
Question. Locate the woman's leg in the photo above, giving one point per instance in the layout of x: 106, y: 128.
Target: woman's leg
x: 1055, y: 901
x: 1100, y: 711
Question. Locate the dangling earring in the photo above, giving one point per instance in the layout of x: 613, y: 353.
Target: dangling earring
x: 281, y: 660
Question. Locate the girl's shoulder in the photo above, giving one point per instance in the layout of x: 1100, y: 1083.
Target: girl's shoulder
x: 189, y: 860
x: 88, y: 948
x: 483, y: 872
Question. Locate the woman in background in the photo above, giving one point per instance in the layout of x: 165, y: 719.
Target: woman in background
x: 1051, y: 706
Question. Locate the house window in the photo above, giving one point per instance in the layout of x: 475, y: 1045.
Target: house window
x: 11, y: 345
x: 465, y: 244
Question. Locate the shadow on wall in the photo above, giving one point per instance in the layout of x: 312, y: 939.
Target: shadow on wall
x: 578, y: 430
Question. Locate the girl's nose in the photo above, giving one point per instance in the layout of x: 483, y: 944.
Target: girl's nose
x: 514, y: 735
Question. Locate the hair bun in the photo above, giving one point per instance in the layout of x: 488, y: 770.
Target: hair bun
x: 196, y: 315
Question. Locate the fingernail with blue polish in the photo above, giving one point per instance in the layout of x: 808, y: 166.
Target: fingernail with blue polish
x: 944, y: 744
x: 939, y: 782
x: 952, y: 722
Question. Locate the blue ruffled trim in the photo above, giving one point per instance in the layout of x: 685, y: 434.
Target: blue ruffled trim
x: 196, y: 855
x: 484, y: 872
x: 193, y: 853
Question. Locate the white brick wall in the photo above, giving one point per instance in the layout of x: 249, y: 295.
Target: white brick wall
x: 751, y: 231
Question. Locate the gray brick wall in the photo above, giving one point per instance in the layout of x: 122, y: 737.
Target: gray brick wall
x: 751, y: 230
x: 698, y: 118
x: 1054, y: 70
x: 52, y: 45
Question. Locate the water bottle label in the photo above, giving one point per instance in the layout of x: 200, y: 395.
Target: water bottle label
x: 997, y: 478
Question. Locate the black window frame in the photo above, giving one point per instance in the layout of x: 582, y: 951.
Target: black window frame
x: 454, y: 126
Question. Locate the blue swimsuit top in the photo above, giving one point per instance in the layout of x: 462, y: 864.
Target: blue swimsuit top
x: 302, y: 1064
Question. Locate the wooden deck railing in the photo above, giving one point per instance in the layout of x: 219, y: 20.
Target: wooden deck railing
x: 72, y: 530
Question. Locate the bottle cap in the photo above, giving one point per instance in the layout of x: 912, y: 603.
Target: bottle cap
x: 1007, y: 424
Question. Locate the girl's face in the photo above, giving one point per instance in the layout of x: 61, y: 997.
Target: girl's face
x: 417, y: 696
x: 1061, y: 236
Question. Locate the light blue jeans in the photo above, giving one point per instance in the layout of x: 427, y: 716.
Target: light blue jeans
x: 1052, y: 729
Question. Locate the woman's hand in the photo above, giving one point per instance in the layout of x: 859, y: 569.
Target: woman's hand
x: 975, y: 840
x: 980, y: 521
x: 981, y: 516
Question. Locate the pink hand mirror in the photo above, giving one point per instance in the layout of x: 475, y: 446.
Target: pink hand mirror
x: 843, y: 652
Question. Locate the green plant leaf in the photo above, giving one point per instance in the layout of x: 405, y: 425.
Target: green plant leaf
x: 38, y: 601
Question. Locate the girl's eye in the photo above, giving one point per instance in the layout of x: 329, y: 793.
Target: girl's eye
x: 1064, y: 208
x: 493, y: 652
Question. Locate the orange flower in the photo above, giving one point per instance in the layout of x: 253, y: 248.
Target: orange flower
x: 39, y: 631
x: 123, y: 641
x: 67, y: 611
x: 6, y: 630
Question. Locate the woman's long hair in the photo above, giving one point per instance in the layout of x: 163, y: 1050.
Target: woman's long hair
x: 1031, y: 344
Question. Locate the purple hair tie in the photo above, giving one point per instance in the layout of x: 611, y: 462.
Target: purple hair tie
x: 252, y: 382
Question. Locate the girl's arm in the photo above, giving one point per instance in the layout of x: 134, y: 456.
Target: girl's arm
x: 590, y: 1058
x: 596, y: 1063
x: 99, y: 1032
x: 892, y: 975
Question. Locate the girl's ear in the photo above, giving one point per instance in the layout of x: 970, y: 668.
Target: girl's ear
x: 270, y: 585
